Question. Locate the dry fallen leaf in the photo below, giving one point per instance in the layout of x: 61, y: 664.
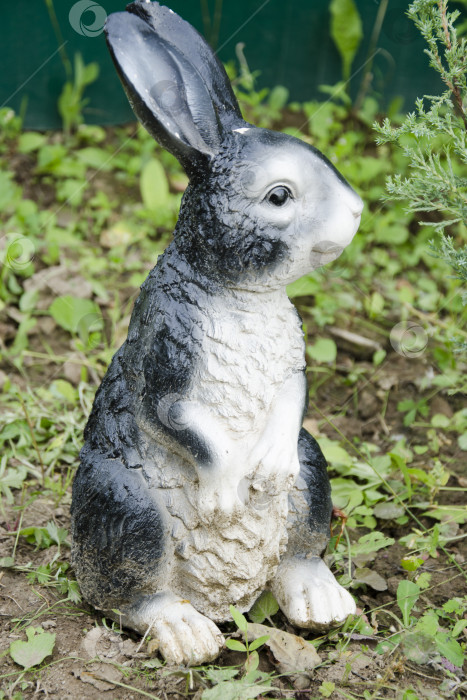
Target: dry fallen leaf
x: 292, y: 653
x: 107, y: 645
x: 117, y: 235
x: 371, y: 578
x: 101, y: 676
x: 354, y: 342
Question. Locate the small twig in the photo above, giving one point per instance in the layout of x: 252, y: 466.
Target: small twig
x: 17, y: 536
x: 15, y: 601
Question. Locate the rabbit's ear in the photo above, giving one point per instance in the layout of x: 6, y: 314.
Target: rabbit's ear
x: 197, y: 51
x: 168, y: 92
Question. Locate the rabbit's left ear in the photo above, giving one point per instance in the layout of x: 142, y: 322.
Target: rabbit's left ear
x: 167, y: 91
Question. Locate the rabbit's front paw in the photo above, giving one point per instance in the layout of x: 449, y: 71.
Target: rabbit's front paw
x: 275, y: 465
x: 184, y: 635
x: 218, y: 500
x: 310, y: 596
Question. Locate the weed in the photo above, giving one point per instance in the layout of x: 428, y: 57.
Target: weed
x: 85, y: 216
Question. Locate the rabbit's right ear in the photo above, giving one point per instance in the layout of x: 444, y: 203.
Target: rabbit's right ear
x: 172, y: 98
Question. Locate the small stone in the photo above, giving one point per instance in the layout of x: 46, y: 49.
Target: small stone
x: 47, y: 624
x: 72, y: 372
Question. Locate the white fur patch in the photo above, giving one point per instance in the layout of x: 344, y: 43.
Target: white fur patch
x: 246, y: 401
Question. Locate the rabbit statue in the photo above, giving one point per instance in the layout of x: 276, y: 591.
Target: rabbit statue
x: 197, y: 486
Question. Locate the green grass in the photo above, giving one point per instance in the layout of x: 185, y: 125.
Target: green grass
x: 94, y: 208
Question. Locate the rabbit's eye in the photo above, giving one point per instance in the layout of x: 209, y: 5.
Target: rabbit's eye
x: 278, y: 196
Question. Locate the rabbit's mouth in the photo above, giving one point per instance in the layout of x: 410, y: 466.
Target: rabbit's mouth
x: 326, y: 248
x: 324, y: 253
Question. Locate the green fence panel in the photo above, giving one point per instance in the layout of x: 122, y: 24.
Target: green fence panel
x: 289, y: 42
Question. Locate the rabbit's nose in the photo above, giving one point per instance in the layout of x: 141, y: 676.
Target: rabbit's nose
x: 353, y: 202
x: 357, y: 212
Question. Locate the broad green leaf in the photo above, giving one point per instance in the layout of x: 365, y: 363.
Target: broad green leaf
x: 278, y: 97
x: 324, y: 350
x: 334, y: 453
x: 8, y: 189
x: 346, y: 31
x: 388, y: 511
x: 327, y: 688
x: 28, y: 300
x: 258, y: 642
x: 73, y: 313
x: 400, y: 463
x: 371, y: 578
x: 218, y: 675
x: 439, y: 420
x: 346, y: 493
x: 374, y: 304
x: 31, y: 653
x: 63, y: 389
x: 11, y: 478
x: 303, y: 287
x: 378, y: 357
x: 411, y: 563
x: 428, y: 624
x: 37, y: 535
x: 388, y: 644
x: 154, y: 185
x: 265, y: 607
x: 459, y: 627
x: 57, y: 534
x: 371, y: 542
x: 450, y: 649
x: 94, y: 157
x: 71, y: 191
x: 235, y: 645
x: 454, y: 605
x: 418, y: 647
x: 251, y: 666
x: 152, y: 663
x: 239, y: 619
x: 7, y: 562
x: 454, y: 514
x: 407, y: 596
x: 30, y: 141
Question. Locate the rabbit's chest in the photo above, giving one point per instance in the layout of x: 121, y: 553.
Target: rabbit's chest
x: 246, y: 358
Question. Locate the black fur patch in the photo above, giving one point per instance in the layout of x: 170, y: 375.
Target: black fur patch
x: 313, y: 468
x: 118, y: 537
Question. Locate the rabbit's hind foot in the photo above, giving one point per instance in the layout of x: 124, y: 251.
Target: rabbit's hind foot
x: 309, y: 595
x: 184, y: 635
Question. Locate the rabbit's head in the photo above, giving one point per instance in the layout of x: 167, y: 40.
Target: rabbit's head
x: 262, y: 208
